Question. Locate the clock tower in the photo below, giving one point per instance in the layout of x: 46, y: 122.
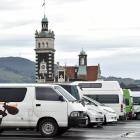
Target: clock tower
x: 44, y: 53
x: 82, y: 58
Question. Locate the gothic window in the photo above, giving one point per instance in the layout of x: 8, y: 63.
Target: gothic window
x: 43, y: 25
x: 43, y: 44
x: 38, y: 45
x: 46, y: 44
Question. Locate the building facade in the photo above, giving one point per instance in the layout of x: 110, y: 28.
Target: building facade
x: 45, y: 53
x: 82, y: 72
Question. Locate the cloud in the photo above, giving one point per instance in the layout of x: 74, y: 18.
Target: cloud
x: 67, y: 1
x: 27, y: 52
x: 10, y: 5
x: 107, y: 30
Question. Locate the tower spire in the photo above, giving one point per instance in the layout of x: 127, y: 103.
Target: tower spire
x: 44, y: 5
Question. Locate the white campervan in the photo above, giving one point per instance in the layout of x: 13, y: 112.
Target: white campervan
x: 106, y: 92
x: 48, y: 108
x: 136, y: 103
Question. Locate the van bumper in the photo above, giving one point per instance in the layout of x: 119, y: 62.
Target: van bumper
x: 77, y: 121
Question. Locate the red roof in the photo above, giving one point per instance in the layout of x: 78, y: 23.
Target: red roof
x: 92, y: 73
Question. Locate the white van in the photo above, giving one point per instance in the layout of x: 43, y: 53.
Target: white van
x: 136, y: 103
x: 48, y: 108
x: 106, y: 92
x: 95, y: 115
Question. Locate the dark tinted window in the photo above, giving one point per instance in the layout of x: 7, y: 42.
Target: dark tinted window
x: 92, y: 97
x: 105, y: 98
x: 72, y: 90
x: 90, y: 85
x: 67, y: 88
x: 136, y: 100
x: 47, y: 94
x: 65, y: 94
x: 12, y: 94
x: 88, y: 102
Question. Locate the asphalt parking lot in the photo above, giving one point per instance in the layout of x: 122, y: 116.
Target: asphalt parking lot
x: 129, y: 130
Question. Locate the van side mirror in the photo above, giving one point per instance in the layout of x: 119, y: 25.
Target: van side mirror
x: 61, y: 98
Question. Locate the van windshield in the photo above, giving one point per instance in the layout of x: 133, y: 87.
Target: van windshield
x: 65, y: 93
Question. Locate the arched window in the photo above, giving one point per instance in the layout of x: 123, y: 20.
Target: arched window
x: 39, y: 45
x: 46, y: 44
x: 82, y: 61
x: 43, y: 45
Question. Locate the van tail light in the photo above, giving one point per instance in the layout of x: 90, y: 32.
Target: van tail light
x: 121, y: 107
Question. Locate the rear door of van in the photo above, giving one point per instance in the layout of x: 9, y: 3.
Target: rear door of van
x: 14, y: 110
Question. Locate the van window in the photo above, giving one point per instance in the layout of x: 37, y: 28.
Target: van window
x: 90, y: 85
x: 72, y: 90
x: 94, y: 97
x: 68, y: 96
x: 12, y: 94
x: 111, y: 99
x: 136, y: 100
x: 46, y: 94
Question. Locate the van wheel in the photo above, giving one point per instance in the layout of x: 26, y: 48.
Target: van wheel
x: 138, y: 116
x: 48, y: 128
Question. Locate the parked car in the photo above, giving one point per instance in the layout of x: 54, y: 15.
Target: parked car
x: 47, y: 108
x: 110, y: 115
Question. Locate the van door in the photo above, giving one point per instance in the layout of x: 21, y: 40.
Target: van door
x: 48, y: 104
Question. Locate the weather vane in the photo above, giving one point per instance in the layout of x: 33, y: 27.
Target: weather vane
x: 44, y: 5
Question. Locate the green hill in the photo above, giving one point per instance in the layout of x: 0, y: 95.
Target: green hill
x: 16, y: 70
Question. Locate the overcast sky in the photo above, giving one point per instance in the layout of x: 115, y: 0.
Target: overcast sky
x: 108, y: 30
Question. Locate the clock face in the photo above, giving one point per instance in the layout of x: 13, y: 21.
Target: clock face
x: 43, y: 66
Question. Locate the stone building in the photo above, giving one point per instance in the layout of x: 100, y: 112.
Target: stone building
x: 44, y: 53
